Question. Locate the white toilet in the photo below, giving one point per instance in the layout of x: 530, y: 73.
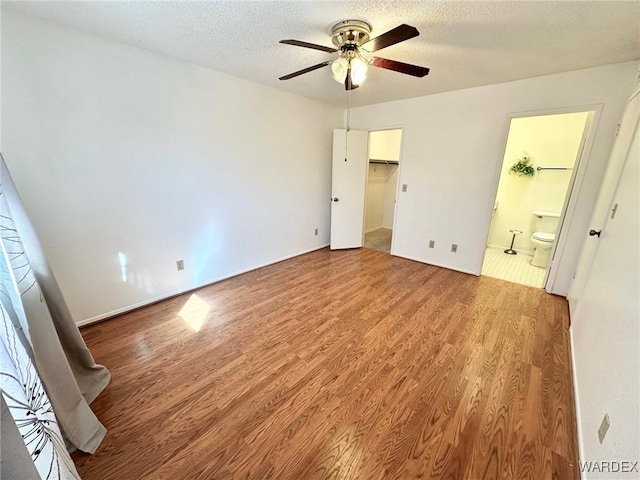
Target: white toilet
x: 545, y: 225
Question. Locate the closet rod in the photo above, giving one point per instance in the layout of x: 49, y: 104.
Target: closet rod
x: 384, y: 162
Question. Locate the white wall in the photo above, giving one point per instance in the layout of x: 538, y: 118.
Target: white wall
x: 453, y: 146
x: 381, y: 188
x: 118, y: 150
x: 390, y: 188
x: 382, y: 180
x: 385, y: 144
x: 549, y: 141
x: 374, y: 207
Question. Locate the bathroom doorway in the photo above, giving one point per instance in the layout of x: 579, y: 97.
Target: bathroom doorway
x: 381, y: 188
x: 541, y: 159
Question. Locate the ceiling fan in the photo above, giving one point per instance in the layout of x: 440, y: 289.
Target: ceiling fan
x: 353, y: 46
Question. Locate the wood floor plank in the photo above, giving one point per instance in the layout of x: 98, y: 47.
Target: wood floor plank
x: 339, y: 364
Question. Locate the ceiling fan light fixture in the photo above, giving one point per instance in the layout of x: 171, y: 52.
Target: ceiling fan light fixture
x: 354, y: 48
x: 358, y: 70
x: 339, y: 69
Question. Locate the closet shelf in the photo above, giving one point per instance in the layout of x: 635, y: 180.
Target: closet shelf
x: 384, y: 162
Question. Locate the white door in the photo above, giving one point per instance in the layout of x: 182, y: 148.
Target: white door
x: 618, y: 155
x: 606, y: 327
x: 348, y: 178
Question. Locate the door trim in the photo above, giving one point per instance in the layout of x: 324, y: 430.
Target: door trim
x: 400, y: 163
x: 570, y: 202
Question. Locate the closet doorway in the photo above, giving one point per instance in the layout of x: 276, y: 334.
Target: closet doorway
x: 381, y: 188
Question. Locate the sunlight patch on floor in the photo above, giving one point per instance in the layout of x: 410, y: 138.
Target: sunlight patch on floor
x: 194, y: 312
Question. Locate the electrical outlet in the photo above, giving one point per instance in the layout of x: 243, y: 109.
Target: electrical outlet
x: 604, y: 427
x: 454, y: 247
x: 316, y: 231
x: 180, y: 265
x: 432, y: 244
x: 404, y: 187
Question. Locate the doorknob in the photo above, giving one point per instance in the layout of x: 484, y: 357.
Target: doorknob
x: 593, y: 233
x: 336, y: 199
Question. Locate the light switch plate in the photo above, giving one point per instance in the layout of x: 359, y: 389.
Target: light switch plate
x: 404, y: 187
x: 180, y: 265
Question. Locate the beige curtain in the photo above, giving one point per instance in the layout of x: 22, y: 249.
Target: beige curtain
x: 70, y: 376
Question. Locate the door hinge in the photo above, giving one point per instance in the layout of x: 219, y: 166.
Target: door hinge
x: 613, y: 211
x: 618, y: 129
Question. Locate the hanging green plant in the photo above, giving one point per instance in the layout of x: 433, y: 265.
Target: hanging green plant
x: 520, y: 168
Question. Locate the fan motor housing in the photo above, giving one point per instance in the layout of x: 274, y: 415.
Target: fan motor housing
x: 350, y: 32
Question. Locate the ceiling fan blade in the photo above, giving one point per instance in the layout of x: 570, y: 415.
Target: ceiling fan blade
x: 406, y: 68
x: 305, y: 70
x: 298, y: 43
x: 396, y: 35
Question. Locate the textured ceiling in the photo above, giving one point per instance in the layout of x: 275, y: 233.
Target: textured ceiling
x: 466, y: 44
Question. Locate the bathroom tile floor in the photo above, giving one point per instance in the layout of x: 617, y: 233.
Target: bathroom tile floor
x: 512, y: 268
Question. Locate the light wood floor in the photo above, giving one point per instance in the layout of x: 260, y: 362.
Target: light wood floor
x: 346, y: 365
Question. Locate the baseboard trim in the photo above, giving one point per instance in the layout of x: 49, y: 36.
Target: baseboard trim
x: 576, y: 396
x: 151, y: 301
x: 448, y: 267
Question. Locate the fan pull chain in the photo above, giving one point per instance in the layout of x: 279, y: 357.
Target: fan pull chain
x: 348, y: 125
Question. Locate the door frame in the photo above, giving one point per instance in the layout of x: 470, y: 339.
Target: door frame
x: 396, y: 199
x: 575, y: 183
